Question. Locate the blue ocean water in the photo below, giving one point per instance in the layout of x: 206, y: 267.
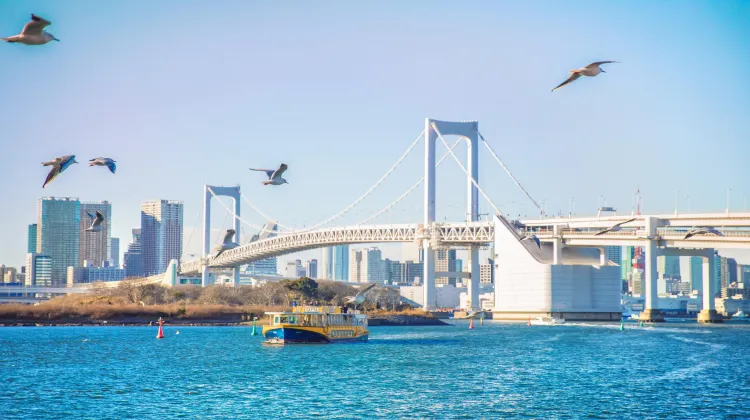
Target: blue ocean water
x: 493, y: 371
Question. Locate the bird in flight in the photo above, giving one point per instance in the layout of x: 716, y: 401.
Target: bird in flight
x: 274, y: 175
x: 703, y: 231
x: 96, y: 222
x: 227, y: 244
x: 58, y: 166
x: 615, y: 228
x: 101, y: 161
x: 591, y: 70
x: 359, y: 298
x: 33, y: 33
x: 531, y: 238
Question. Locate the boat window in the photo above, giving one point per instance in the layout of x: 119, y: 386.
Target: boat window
x: 276, y: 319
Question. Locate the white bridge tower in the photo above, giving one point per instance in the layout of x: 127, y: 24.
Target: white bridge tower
x: 208, y: 192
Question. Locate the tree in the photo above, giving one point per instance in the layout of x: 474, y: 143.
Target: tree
x: 303, y: 287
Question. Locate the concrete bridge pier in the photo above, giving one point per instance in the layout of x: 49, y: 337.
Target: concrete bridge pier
x: 428, y: 276
x: 708, y: 314
x: 557, y: 245
x: 651, y: 275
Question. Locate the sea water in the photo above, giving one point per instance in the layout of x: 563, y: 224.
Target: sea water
x: 497, y: 370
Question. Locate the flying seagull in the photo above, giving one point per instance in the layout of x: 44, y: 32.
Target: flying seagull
x: 532, y: 238
x: 617, y: 227
x: 274, y: 175
x: 227, y: 244
x: 101, y: 161
x: 703, y: 231
x: 58, y: 166
x: 591, y: 70
x: 360, y: 296
x: 96, y: 222
x: 33, y: 33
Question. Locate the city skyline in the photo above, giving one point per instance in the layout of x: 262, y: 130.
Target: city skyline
x: 654, y: 126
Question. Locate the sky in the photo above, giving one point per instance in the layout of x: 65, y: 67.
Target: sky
x: 184, y: 93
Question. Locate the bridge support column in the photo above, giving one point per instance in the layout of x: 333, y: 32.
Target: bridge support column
x: 603, y: 256
x: 428, y: 277
x: 205, y: 275
x: 650, y: 312
x: 557, y: 245
x: 708, y: 313
x: 473, y: 289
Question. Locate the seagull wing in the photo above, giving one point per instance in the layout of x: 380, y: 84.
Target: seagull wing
x: 111, y: 165
x: 363, y: 291
x: 99, y: 218
x: 228, y: 236
x: 572, y: 78
x: 35, y: 27
x: 538, y: 242
x: 689, y: 234
x: 625, y: 222
x: 602, y: 232
x: 66, y: 161
x: 279, y: 171
x: 598, y: 63
x: 53, y: 173
x: 269, y: 172
x: 91, y: 216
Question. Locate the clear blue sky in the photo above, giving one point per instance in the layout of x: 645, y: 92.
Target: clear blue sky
x: 182, y: 93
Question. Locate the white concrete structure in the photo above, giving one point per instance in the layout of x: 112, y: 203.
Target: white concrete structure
x: 569, y: 283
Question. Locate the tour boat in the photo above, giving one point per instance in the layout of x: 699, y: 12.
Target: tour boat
x: 316, y: 324
x: 547, y: 320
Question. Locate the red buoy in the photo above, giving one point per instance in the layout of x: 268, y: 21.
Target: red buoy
x: 471, y: 324
x: 160, y: 334
x: 529, y: 324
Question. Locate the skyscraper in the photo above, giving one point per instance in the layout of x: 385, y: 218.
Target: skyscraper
x: 94, y: 246
x: 57, y: 234
x: 626, y: 262
x: 133, y: 258
x: 32, y: 238
x: 366, y: 265
x: 312, y: 268
x: 691, y: 271
x: 114, y: 252
x: 335, y: 264
x: 38, y: 270
x: 161, y: 234
x: 614, y: 254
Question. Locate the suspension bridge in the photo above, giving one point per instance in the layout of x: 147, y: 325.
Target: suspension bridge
x: 651, y: 231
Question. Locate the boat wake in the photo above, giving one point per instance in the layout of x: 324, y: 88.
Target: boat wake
x: 700, y: 361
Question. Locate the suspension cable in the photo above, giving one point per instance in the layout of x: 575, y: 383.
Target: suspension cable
x: 263, y: 214
x: 474, y: 181
x: 232, y: 212
x: 380, y: 181
x: 413, y: 187
x: 510, y: 174
x: 190, y: 238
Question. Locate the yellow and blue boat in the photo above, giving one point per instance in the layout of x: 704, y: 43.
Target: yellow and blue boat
x: 316, y: 324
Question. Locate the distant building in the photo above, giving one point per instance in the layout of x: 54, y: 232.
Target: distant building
x: 301, y: 272
x: 626, y: 262
x: 93, y: 274
x: 58, y: 221
x: 38, y: 270
x: 668, y: 266
x: 161, y: 234
x: 445, y: 261
x: 291, y: 269
x: 266, y: 266
x: 114, y: 252
x: 486, y: 272
x: 312, y: 268
x: 614, y: 254
x: 691, y: 272
x: 31, y: 241
x: 94, y: 246
x: 335, y: 263
x: 365, y: 266
x: 133, y: 259
x: 9, y: 275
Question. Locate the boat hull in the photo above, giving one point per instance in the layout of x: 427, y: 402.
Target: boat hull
x: 286, y: 335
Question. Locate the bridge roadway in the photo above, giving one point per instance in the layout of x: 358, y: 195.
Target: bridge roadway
x: 573, y: 232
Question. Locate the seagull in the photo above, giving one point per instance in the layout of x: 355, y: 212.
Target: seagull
x: 360, y: 296
x: 471, y: 314
x: 533, y: 238
x: 615, y: 228
x: 33, y: 33
x: 591, y: 70
x: 96, y: 222
x: 58, y: 166
x: 703, y: 231
x: 274, y: 175
x: 228, y: 244
x: 100, y: 161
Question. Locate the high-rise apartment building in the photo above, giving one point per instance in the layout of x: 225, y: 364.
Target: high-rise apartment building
x: 691, y: 271
x: 114, y: 252
x: 614, y: 254
x: 133, y: 258
x: 58, y: 221
x: 486, y: 272
x: 94, y: 246
x: 32, y: 239
x: 161, y: 234
x: 445, y: 261
x: 626, y: 262
x: 366, y: 266
x: 668, y: 266
x: 312, y: 268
